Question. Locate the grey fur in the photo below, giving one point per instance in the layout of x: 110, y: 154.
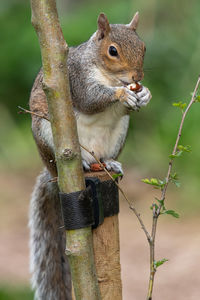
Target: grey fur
x: 83, y: 88
x: 88, y: 95
x: 49, y: 267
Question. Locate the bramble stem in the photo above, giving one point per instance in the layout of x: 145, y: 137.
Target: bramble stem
x: 156, y: 213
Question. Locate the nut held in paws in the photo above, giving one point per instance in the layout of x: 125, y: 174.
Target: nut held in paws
x: 135, y: 87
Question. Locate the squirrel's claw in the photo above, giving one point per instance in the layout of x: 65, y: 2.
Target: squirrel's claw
x: 115, y: 166
x: 144, y: 96
x: 86, y: 166
x: 111, y: 165
x: 131, y: 101
x: 137, y: 99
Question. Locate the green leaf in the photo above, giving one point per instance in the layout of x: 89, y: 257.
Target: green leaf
x: 177, y: 154
x: 172, y: 213
x: 154, y: 181
x: 174, y: 176
x: 146, y: 180
x: 154, y: 205
x: 174, y: 179
x: 162, y: 182
x: 160, y: 201
x: 158, y: 263
x: 177, y: 183
x: 115, y: 176
x: 180, y: 151
x: 182, y: 148
x: 157, y: 183
x: 197, y: 98
x: 180, y: 104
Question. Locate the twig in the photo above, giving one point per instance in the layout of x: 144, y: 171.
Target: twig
x: 53, y: 180
x: 32, y: 113
x: 156, y: 213
x: 179, y: 136
x: 121, y: 190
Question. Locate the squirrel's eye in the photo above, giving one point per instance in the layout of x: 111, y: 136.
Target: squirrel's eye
x: 113, y: 51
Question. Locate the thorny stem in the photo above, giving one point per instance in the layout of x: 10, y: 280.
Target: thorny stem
x: 156, y: 213
x: 178, y: 138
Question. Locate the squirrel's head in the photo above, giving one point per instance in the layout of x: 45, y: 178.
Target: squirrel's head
x: 120, y: 49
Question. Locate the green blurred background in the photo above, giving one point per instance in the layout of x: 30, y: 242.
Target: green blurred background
x: 171, y: 31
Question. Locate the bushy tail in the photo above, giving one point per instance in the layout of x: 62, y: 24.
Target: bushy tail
x: 49, y: 267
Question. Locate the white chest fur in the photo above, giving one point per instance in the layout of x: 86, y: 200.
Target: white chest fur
x: 104, y: 133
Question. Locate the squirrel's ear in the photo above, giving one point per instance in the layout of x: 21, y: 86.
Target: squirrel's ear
x: 134, y: 23
x: 103, y: 26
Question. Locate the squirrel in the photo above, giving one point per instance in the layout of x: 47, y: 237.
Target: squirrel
x: 100, y: 71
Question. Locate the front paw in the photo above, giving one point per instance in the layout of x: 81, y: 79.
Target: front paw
x: 86, y: 165
x: 144, y: 96
x: 113, y: 165
x: 127, y: 98
x: 94, y: 167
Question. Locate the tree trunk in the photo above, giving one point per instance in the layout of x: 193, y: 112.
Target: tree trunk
x: 68, y: 159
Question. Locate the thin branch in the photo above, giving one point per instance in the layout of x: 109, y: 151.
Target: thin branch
x: 54, y: 179
x: 122, y: 192
x: 179, y: 136
x: 23, y: 110
x: 156, y: 213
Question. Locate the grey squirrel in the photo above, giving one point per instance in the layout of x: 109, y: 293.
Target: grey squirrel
x: 100, y: 71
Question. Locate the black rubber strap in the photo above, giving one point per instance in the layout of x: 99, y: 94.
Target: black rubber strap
x: 77, y: 209
x: 89, y: 207
x: 110, y: 198
x: 95, y: 184
x: 105, y: 198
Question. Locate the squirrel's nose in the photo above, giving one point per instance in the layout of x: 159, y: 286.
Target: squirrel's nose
x: 137, y: 76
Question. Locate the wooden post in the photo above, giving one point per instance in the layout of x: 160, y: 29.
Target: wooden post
x: 107, y: 253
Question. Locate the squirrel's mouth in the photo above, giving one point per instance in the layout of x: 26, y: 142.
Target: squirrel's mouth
x: 125, y: 83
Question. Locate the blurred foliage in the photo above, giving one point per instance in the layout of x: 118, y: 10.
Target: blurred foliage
x: 8, y: 293
x: 170, y: 29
